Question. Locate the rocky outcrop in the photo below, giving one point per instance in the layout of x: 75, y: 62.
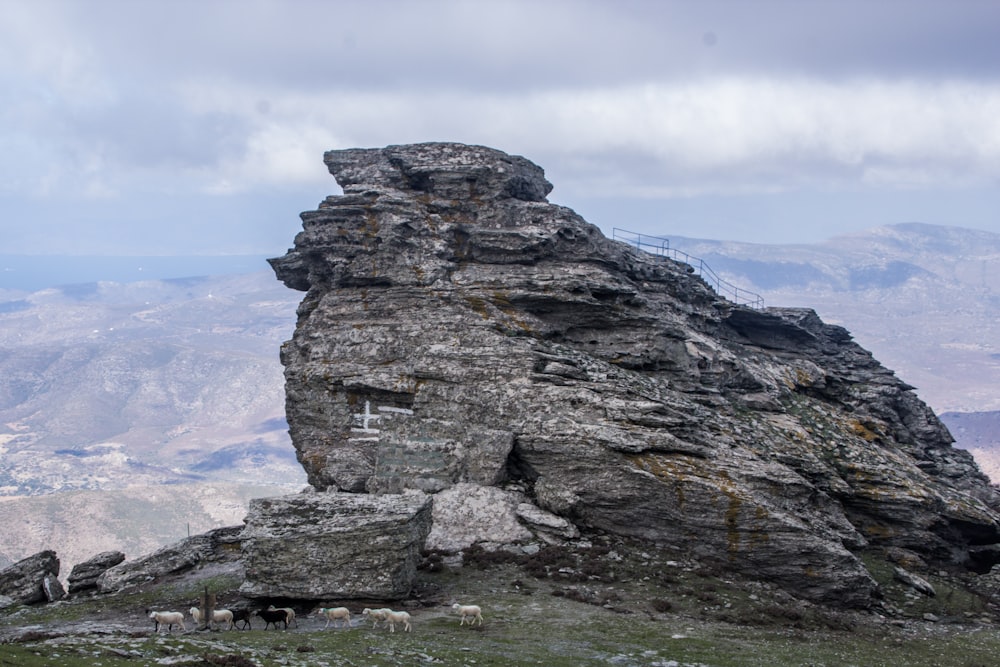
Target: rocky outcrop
x: 334, y: 545
x: 32, y: 580
x: 219, y: 545
x: 466, y: 514
x: 459, y: 329
x: 83, y: 577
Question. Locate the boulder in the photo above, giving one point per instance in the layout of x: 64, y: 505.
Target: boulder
x: 467, y: 514
x: 220, y: 544
x: 334, y: 545
x: 83, y: 576
x: 30, y: 580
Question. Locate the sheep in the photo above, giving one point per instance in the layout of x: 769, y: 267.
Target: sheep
x: 335, y: 614
x: 289, y: 614
x: 375, y: 614
x: 167, y: 618
x: 469, y: 610
x: 219, y: 616
x: 244, y: 616
x: 274, y: 616
x: 394, y: 617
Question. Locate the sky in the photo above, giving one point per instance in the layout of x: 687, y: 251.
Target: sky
x: 155, y: 127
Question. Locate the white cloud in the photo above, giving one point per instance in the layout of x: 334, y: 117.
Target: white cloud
x: 725, y: 135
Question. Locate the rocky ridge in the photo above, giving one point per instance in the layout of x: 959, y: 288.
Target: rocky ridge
x: 458, y: 332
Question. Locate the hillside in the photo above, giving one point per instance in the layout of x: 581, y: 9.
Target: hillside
x: 135, y: 520
x: 106, y: 385
x: 151, y: 408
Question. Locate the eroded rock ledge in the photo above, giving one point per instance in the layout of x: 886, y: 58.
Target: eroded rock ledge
x: 460, y: 332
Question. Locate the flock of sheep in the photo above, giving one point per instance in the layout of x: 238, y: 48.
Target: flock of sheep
x: 286, y: 615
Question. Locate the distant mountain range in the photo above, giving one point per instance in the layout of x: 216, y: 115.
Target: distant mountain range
x: 35, y: 272
x: 109, y: 386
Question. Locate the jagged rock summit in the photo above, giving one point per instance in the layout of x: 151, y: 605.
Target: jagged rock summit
x: 462, y: 337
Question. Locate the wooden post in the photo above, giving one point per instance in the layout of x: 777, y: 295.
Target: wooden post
x: 207, y: 609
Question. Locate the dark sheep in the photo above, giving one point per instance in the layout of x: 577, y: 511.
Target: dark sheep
x: 242, y: 615
x: 273, y: 616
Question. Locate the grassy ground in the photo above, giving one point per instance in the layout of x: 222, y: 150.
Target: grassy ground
x: 546, y: 612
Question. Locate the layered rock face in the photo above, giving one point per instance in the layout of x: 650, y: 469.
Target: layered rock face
x: 460, y: 333
x: 325, y: 546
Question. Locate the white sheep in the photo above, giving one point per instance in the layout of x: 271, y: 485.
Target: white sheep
x: 467, y: 611
x: 394, y: 617
x: 335, y: 614
x: 219, y: 616
x: 167, y: 618
x: 375, y: 614
x: 289, y: 614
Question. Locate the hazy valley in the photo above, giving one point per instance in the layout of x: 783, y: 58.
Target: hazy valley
x: 116, y: 396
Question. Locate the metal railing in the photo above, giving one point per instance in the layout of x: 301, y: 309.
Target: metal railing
x: 660, y: 246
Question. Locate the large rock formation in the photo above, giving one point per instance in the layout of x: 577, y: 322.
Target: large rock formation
x: 31, y: 580
x: 459, y: 329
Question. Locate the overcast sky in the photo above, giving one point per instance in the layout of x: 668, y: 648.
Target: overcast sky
x: 191, y: 127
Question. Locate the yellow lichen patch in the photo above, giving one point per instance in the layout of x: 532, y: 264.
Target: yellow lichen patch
x: 863, y: 431
x: 734, y: 506
x: 478, y: 305
x: 502, y: 302
x: 662, y: 469
x: 877, y: 531
x: 313, y: 460
x: 371, y: 224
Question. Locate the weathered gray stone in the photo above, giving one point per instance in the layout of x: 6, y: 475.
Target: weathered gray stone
x: 83, y: 576
x: 24, y: 581
x: 334, y: 545
x: 469, y: 513
x: 53, y: 588
x: 457, y: 328
x: 221, y: 544
x: 913, y: 581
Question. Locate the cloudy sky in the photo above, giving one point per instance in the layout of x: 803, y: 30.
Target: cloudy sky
x: 198, y: 126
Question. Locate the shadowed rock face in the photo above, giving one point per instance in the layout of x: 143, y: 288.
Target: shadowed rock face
x: 459, y: 329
